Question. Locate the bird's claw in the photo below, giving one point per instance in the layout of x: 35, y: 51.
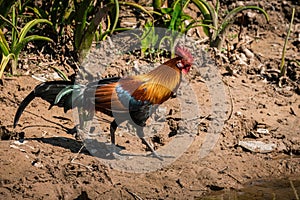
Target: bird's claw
x: 155, y: 155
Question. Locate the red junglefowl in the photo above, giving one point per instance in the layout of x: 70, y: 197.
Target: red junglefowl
x: 132, y: 98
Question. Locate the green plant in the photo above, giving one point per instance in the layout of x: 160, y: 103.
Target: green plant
x: 5, y: 7
x: 174, y: 16
x: 87, y: 20
x: 59, y: 12
x: 216, y: 31
x: 282, y: 66
x: 83, y: 18
x: 149, y: 38
x: 12, y: 46
x: 174, y: 19
x: 61, y: 74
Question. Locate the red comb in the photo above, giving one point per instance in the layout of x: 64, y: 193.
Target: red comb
x: 184, y: 53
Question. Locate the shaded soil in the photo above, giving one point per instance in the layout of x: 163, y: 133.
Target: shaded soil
x: 47, y: 164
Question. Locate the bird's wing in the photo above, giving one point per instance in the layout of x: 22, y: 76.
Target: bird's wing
x: 137, y: 96
x: 103, y: 92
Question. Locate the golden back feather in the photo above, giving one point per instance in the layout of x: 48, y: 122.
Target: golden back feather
x: 156, y: 86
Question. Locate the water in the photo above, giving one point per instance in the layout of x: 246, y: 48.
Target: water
x: 277, y: 189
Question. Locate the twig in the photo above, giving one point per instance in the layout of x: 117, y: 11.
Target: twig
x: 135, y: 196
x: 231, y: 176
x: 198, y: 117
x: 73, y: 160
x: 223, y: 171
x: 231, y: 102
x: 294, y: 189
x: 77, y: 153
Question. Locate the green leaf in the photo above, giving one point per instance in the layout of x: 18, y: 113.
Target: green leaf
x: 234, y: 12
x: 282, y: 66
x: 29, y: 25
x: 194, y: 24
x: 177, y: 9
x: 165, y: 38
x: 209, y: 15
x: 166, y: 10
x: 3, y: 44
x: 62, y: 75
x: 89, y: 34
x: 39, y: 12
x: 185, y: 17
x: 216, y: 38
x: 80, y: 20
x: 139, y: 7
x: 9, y: 22
x: 4, y: 62
x: 5, y: 6
x: 20, y: 45
x: 148, y: 38
x: 116, y: 16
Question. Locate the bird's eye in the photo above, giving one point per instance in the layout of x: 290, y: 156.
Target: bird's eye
x: 179, y: 65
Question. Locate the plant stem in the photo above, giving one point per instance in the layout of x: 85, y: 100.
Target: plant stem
x: 15, y: 36
x: 282, y: 66
x: 293, y: 187
x: 116, y: 17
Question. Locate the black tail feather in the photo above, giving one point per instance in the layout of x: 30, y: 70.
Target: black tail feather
x: 48, y: 91
x: 53, y: 91
x: 22, y: 107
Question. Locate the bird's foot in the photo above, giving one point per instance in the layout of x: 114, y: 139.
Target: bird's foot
x: 117, y: 156
x: 74, y: 131
x: 155, y: 155
x: 114, y: 152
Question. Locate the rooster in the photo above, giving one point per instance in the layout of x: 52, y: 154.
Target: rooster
x: 132, y: 98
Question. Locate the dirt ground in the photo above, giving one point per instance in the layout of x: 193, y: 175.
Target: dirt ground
x: 47, y: 165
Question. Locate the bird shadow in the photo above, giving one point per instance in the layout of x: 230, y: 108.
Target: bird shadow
x: 58, y: 125
x: 73, y: 145
x: 102, y: 150
x: 65, y: 129
x: 98, y: 149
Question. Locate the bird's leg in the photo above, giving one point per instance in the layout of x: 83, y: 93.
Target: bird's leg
x: 74, y: 132
x: 85, y: 120
x: 114, y: 150
x: 140, y: 133
x: 113, y: 128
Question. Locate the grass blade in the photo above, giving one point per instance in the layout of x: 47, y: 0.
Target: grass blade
x: 282, y: 66
x: 235, y: 11
x: 24, y: 41
x: 138, y: 7
x: 3, y: 44
x: 29, y: 25
x: 62, y: 75
x: 209, y: 15
x: 4, y: 62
